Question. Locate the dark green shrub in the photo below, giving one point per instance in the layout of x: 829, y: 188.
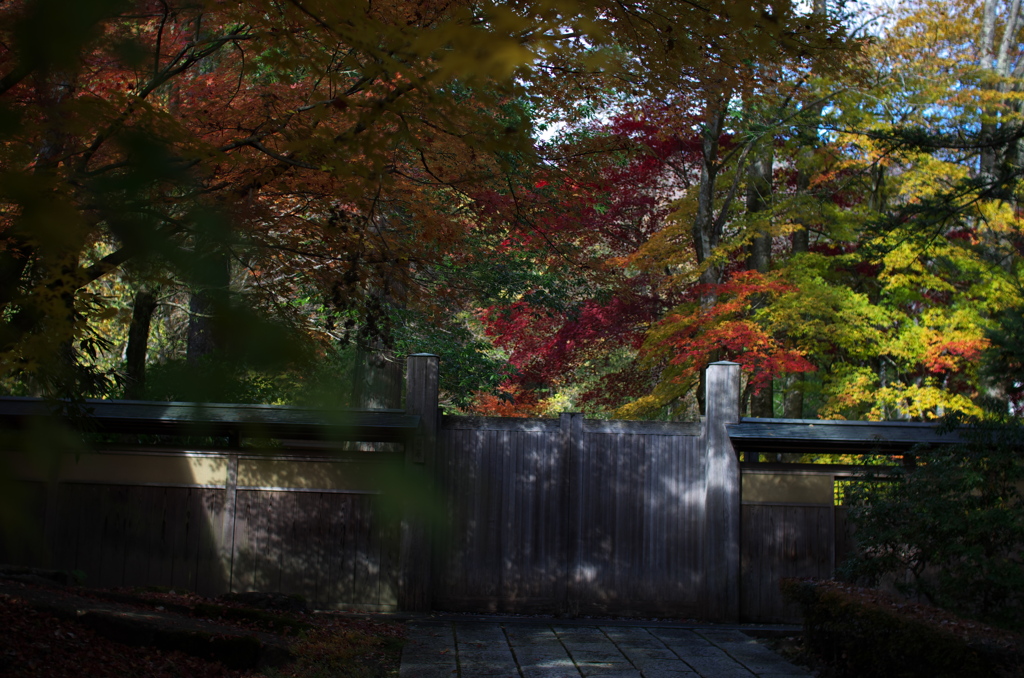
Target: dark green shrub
x: 951, y: 530
x: 865, y: 633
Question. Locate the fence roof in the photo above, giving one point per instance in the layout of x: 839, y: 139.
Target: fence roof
x: 834, y: 437
x: 217, y: 419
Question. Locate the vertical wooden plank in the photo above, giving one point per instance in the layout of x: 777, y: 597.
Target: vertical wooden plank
x: 178, y: 532
x: 157, y: 564
x: 269, y: 552
x: 213, y: 567
x: 562, y: 544
x: 363, y: 560
x: 229, y: 520
x: 759, y: 539
x: 491, y: 552
x: 677, y: 512
x: 196, y: 529
x: 551, y: 518
x: 110, y: 545
x: 536, y: 578
x: 319, y: 546
x: 389, y: 531
x: 779, y: 557
x: 646, y: 511
x: 641, y: 525
x: 135, y: 559
x: 621, y: 463
x: 512, y: 538
x: 243, y: 571
x: 343, y: 556
x: 330, y: 595
x: 504, y: 539
x: 374, y: 551
x: 290, y: 528
x: 575, y: 461
x: 449, y: 568
x: 342, y: 551
x: 77, y: 529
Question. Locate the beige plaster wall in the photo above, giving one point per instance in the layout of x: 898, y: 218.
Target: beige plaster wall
x: 768, y: 488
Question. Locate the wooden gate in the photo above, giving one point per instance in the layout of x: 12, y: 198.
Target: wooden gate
x: 572, y: 516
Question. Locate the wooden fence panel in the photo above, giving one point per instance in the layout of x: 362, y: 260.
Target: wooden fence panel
x: 23, y: 540
x: 781, y: 541
x: 123, y: 535
x: 567, y: 516
x: 641, y: 548
x: 328, y: 547
x: 501, y: 547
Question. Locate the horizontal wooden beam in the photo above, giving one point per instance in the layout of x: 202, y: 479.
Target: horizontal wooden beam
x: 461, y: 423
x: 650, y: 428
x: 835, y: 437
x: 216, y: 419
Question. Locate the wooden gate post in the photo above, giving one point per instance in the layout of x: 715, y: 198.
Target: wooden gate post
x: 415, y: 591
x: 571, y: 451
x: 722, y: 507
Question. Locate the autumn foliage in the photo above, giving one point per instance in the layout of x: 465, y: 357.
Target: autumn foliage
x: 576, y: 205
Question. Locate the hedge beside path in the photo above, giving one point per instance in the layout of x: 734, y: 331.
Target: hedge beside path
x: 865, y: 633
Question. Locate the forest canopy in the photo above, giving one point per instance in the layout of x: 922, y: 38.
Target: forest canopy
x: 577, y: 205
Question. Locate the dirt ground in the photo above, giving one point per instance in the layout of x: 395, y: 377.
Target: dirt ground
x: 53, y: 631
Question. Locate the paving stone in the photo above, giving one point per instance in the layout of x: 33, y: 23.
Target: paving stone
x: 520, y: 636
x: 648, y: 653
x: 605, y: 646
x: 667, y: 673
x: 723, y: 635
x: 543, y: 672
x: 476, y: 634
x: 529, y: 655
x: 582, y: 634
x: 426, y: 656
x: 714, y: 667
x: 476, y: 639
x: 758, y: 658
x: 429, y: 631
x: 411, y: 670
x: 675, y: 664
x: 471, y: 668
x: 599, y: 657
x: 492, y: 655
x: 487, y: 650
x: 677, y: 634
x: 648, y: 643
x: 608, y: 670
x: 620, y: 632
x: 694, y: 650
x: 540, y: 641
x: 560, y: 663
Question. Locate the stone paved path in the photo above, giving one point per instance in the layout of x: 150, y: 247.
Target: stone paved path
x: 445, y: 649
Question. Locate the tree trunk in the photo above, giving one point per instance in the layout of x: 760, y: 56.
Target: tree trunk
x: 759, y: 188
x: 706, y: 235
x: 138, y: 342
x: 379, y: 373
x: 204, y: 337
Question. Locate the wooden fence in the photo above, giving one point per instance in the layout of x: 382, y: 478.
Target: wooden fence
x: 254, y: 529
x: 572, y: 516
x: 565, y: 516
